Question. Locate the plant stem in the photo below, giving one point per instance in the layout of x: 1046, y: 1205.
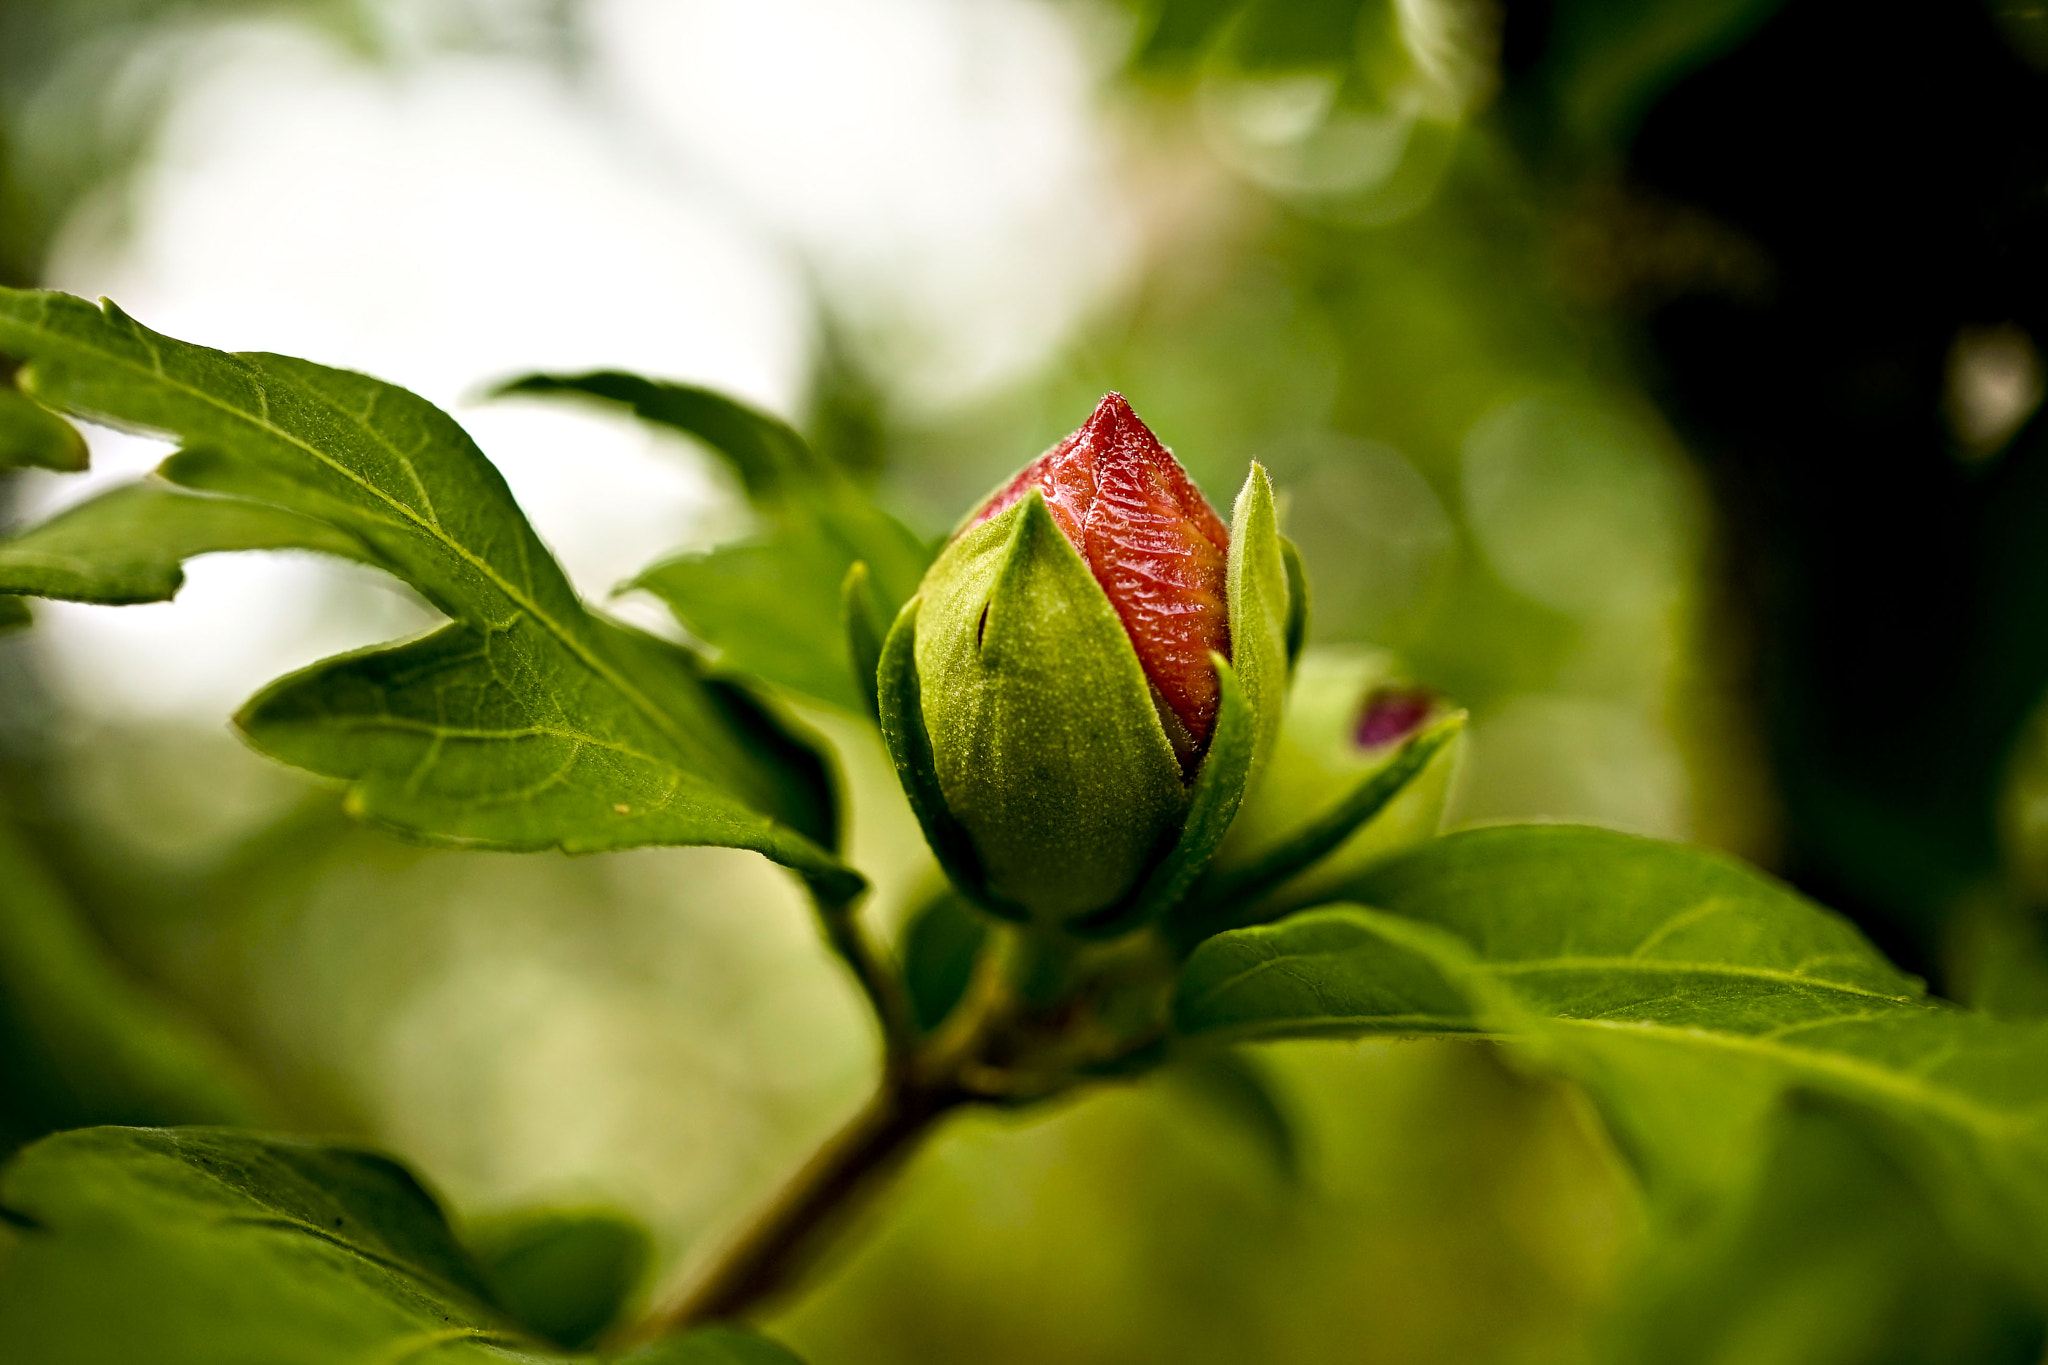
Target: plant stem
x: 874, y: 974
x: 783, y: 1240
x: 918, y: 1088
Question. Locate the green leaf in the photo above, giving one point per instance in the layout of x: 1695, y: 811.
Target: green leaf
x: 1179, y: 31
x: 1686, y: 992
x: 14, y: 613
x: 772, y: 460
x: 1229, y: 1088
x: 1609, y: 59
x: 567, y: 1274
x: 82, y: 1043
x: 783, y: 476
x: 128, y: 544
x: 448, y: 739
x: 1256, y: 588
x: 464, y: 736
x: 940, y: 945
x: 201, y: 1246
x: 1841, y: 1255
x: 715, y: 1346
x: 1235, y: 895
x: 772, y: 609
x: 771, y: 606
x: 30, y: 434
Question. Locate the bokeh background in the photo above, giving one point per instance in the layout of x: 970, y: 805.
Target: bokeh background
x: 1658, y: 379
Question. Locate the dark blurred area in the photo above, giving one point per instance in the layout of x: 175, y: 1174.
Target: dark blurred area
x: 1661, y: 380
x: 1882, y: 516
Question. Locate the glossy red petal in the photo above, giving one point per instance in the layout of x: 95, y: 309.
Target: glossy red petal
x: 1154, y: 544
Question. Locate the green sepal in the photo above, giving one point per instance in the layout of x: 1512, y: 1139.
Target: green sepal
x: 32, y: 435
x: 1212, y: 805
x: 1257, y: 591
x: 899, y: 701
x: 1225, y: 901
x: 1297, y: 602
x: 866, y: 622
x: 1316, y: 766
x: 939, y: 948
x: 1044, y: 735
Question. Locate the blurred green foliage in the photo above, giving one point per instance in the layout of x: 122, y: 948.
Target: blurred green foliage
x: 1606, y: 357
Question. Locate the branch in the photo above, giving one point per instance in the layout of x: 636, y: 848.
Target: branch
x: 874, y: 973
x: 772, y: 1252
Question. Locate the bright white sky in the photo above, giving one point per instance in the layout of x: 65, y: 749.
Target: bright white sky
x: 936, y: 166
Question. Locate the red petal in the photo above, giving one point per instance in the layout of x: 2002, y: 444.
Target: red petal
x: 1392, y: 713
x: 1155, y: 545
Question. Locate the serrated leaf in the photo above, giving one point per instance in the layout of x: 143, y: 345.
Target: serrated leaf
x: 718, y: 1345
x: 82, y: 1043
x: 526, y: 669
x: 1686, y: 992
x: 770, y: 606
x: 32, y: 435
x: 200, y: 1246
x: 771, y: 609
x: 129, y: 544
x: 567, y: 1275
x: 771, y: 459
x: 468, y: 736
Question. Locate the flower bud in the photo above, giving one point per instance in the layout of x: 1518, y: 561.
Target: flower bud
x: 1154, y: 546
x: 1072, y: 656
x: 1347, y: 718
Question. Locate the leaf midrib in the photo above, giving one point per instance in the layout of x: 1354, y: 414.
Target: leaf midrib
x: 1992, y: 1124
x: 1772, y: 975
x: 431, y: 528
x: 1647, y: 966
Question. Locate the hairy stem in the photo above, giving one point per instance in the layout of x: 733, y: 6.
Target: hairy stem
x: 772, y: 1252
x: 874, y: 974
x: 918, y: 1088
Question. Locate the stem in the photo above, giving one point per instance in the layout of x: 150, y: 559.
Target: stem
x: 787, y: 1236
x: 920, y: 1087
x: 874, y: 974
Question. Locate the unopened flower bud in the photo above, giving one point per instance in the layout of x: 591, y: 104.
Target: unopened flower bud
x: 1155, y: 547
x: 1066, y: 649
